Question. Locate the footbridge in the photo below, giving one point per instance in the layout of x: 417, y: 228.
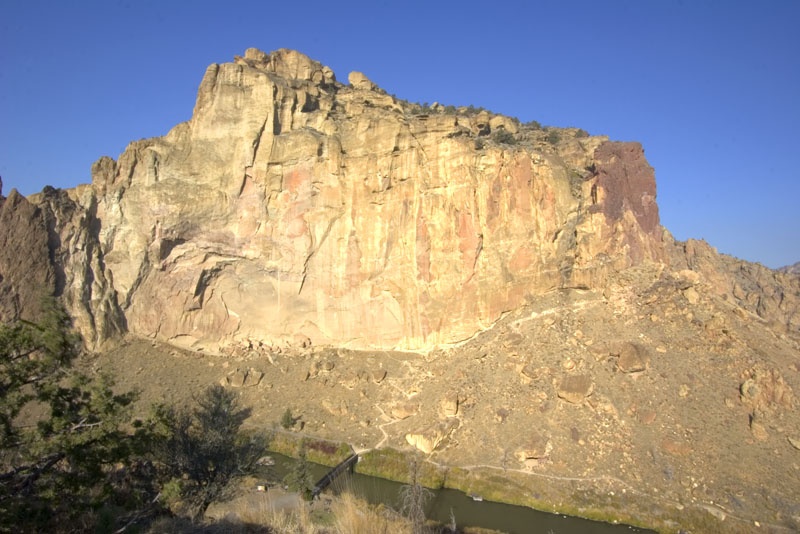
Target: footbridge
x: 325, y: 481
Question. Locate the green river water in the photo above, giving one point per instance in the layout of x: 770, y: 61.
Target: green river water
x: 466, y: 510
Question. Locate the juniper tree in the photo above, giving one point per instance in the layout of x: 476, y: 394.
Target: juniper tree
x: 202, y: 449
x: 61, y: 432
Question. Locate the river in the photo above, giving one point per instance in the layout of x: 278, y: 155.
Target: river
x: 466, y: 510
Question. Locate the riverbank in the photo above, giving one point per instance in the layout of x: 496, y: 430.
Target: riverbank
x: 479, y: 483
x: 261, y: 501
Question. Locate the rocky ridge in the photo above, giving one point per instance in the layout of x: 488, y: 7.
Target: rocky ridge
x: 791, y: 269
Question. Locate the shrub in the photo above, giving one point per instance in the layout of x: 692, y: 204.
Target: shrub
x: 553, y: 137
x: 505, y: 137
x: 204, y: 447
x: 287, y: 420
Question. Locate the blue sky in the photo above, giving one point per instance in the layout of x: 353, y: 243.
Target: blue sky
x: 710, y: 88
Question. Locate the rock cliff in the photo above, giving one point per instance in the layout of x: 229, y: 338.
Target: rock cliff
x: 24, y: 254
x: 49, y: 247
x: 293, y: 207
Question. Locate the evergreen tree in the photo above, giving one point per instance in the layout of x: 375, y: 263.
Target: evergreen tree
x: 200, y: 451
x: 300, y: 478
x: 61, y: 434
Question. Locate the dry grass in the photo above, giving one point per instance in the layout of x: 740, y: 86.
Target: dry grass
x: 347, y: 515
x: 285, y: 518
x: 353, y: 515
x: 293, y: 522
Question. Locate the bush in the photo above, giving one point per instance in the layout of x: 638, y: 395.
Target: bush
x: 204, y: 448
x: 505, y: 137
x: 553, y: 137
x: 287, y: 420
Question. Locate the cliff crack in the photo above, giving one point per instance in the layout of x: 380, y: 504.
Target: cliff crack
x: 315, y: 248
x: 257, y: 140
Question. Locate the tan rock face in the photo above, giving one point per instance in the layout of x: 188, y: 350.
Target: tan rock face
x: 292, y: 204
x: 772, y: 295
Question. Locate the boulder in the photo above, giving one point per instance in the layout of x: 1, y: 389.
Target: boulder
x: 575, y: 388
x: 765, y: 389
x: 405, y: 410
x: 359, y: 81
x: 449, y: 404
x: 633, y: 358
x: 378, y: 375
x: 536, y: 447
x: 240, y: 378
x: 427, y: 440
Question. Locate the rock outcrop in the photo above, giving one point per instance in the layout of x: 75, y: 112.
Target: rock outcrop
x: 771, y: 295
x: 49, y: 248
x: 791, y: 269
x: 26, y: 275
x: 292, y: 205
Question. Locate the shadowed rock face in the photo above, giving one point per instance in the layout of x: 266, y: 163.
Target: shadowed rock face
x: 26, y: 274
x: 293, y: 205
x: 627, y: 184
x: 49, y: 247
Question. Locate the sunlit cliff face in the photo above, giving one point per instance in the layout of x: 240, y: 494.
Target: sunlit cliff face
x: 291, y: 204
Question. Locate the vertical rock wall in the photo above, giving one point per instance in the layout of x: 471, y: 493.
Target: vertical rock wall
x: 291, y: 203
x: 294, y: 206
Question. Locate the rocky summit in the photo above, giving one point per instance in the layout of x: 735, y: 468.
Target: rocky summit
x: 550, y: 326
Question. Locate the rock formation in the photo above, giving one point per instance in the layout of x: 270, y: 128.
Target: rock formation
x: 294, y: 205
x: 792, y: 269
x: 291, y: 203
x: 49, y: 247
x: 24, y: 265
